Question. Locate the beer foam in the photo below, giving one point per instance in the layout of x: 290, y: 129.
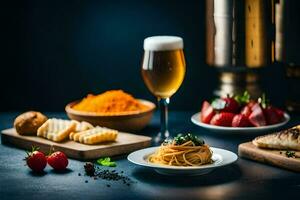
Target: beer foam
x: 163, y: 43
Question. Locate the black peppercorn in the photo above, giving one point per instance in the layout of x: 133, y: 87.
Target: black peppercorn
x: 89, y: 169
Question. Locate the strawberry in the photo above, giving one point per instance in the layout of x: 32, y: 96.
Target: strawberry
x: 36, y: 160
x: 207, y: 112
x: 232, y: 105
x: 222, y: 119
x: 240, y: 120
x: 280, y: 113
x: 246, y: 110
x: 58, y: 160
x: 257, y: 117
x: 272, y: 115
x: 227, y: 104
x: 251, y: 103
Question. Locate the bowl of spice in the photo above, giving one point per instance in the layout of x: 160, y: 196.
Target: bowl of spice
x: 114, y: 109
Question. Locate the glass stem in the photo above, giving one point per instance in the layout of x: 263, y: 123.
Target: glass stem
x: 163, y: 105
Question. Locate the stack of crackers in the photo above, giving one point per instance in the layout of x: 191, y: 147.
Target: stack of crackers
x: 58, y: 130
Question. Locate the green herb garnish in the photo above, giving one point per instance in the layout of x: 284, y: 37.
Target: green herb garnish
x: 181, y: 139
x: 263, y: 101
x: 106, y: 162
x: 243, y: 99
x: 290, y: 154
x: 167, y: 141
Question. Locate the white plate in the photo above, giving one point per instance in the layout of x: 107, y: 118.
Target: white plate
x: 238, y: 130
x: 221, y: 157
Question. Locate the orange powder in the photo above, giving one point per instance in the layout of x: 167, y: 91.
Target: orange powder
x: 113, y: 101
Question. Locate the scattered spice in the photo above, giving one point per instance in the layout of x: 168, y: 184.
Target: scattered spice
x: 79, y: 174
x: 114, y: 176
x: 107, y: 185
x: 111, y: 175
x: 89, y: 169
x: 86, y: 181
x: 290, y: 154
x: 280, y: 152
x: 113, y: 101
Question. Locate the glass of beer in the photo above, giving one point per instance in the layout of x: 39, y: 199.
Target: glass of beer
x: 163, y: 71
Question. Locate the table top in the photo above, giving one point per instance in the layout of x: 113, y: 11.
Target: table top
x: 244, y: 179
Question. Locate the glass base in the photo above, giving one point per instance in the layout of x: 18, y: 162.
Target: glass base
x: 160, y: 138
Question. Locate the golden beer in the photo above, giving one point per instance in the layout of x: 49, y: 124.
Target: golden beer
x: 163, y: 71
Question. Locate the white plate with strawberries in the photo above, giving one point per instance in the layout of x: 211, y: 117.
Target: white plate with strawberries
x: 239, y: 130
x: 239, y: 114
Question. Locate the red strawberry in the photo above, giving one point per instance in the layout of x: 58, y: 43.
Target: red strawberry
x: 272, y: 115
x: 280, y: 113
x: 240, y: 120
x: 58, y: 160
x: 222, y: 119
x: 207, y: 112
x: 231, y: 106
x: 257, y: 117
x: 36, y: 160
x: 225, y: 105
x: 246, y: 110
x: 251, y: 103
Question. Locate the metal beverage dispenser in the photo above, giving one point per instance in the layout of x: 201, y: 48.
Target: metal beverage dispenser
x: 240, y: 39
x: 287, y: 47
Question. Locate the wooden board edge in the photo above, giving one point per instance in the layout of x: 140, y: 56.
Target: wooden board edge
x: 18, y: 142
x: 86, y: 155
x: 7, y: 130
x: 267, y: 157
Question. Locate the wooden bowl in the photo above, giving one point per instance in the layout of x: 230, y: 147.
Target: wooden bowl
x: 128, y: 122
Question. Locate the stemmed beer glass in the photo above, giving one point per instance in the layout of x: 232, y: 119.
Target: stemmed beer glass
x: 163, y: 71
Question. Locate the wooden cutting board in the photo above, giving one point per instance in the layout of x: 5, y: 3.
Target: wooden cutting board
x: 125, y: 143
x: 272, y: 157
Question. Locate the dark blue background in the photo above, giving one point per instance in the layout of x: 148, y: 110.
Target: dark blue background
x: 57, y: 51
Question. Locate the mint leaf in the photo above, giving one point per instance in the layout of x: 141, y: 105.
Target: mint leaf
x: 106, y: 162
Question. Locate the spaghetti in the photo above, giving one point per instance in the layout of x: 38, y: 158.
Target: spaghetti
x: 185, y: 153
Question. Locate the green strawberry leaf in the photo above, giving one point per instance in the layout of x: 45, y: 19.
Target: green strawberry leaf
x: 243, y: 99
x: 106, y: 162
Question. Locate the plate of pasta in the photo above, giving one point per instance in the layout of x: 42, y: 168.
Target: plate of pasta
x: 183, y: 155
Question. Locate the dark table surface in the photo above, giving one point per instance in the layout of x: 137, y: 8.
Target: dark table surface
x: 244, y: 179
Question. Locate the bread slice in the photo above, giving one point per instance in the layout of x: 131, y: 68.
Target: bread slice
x: 95, y: 135
x: 287, y: 139
x: 56, y: 130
